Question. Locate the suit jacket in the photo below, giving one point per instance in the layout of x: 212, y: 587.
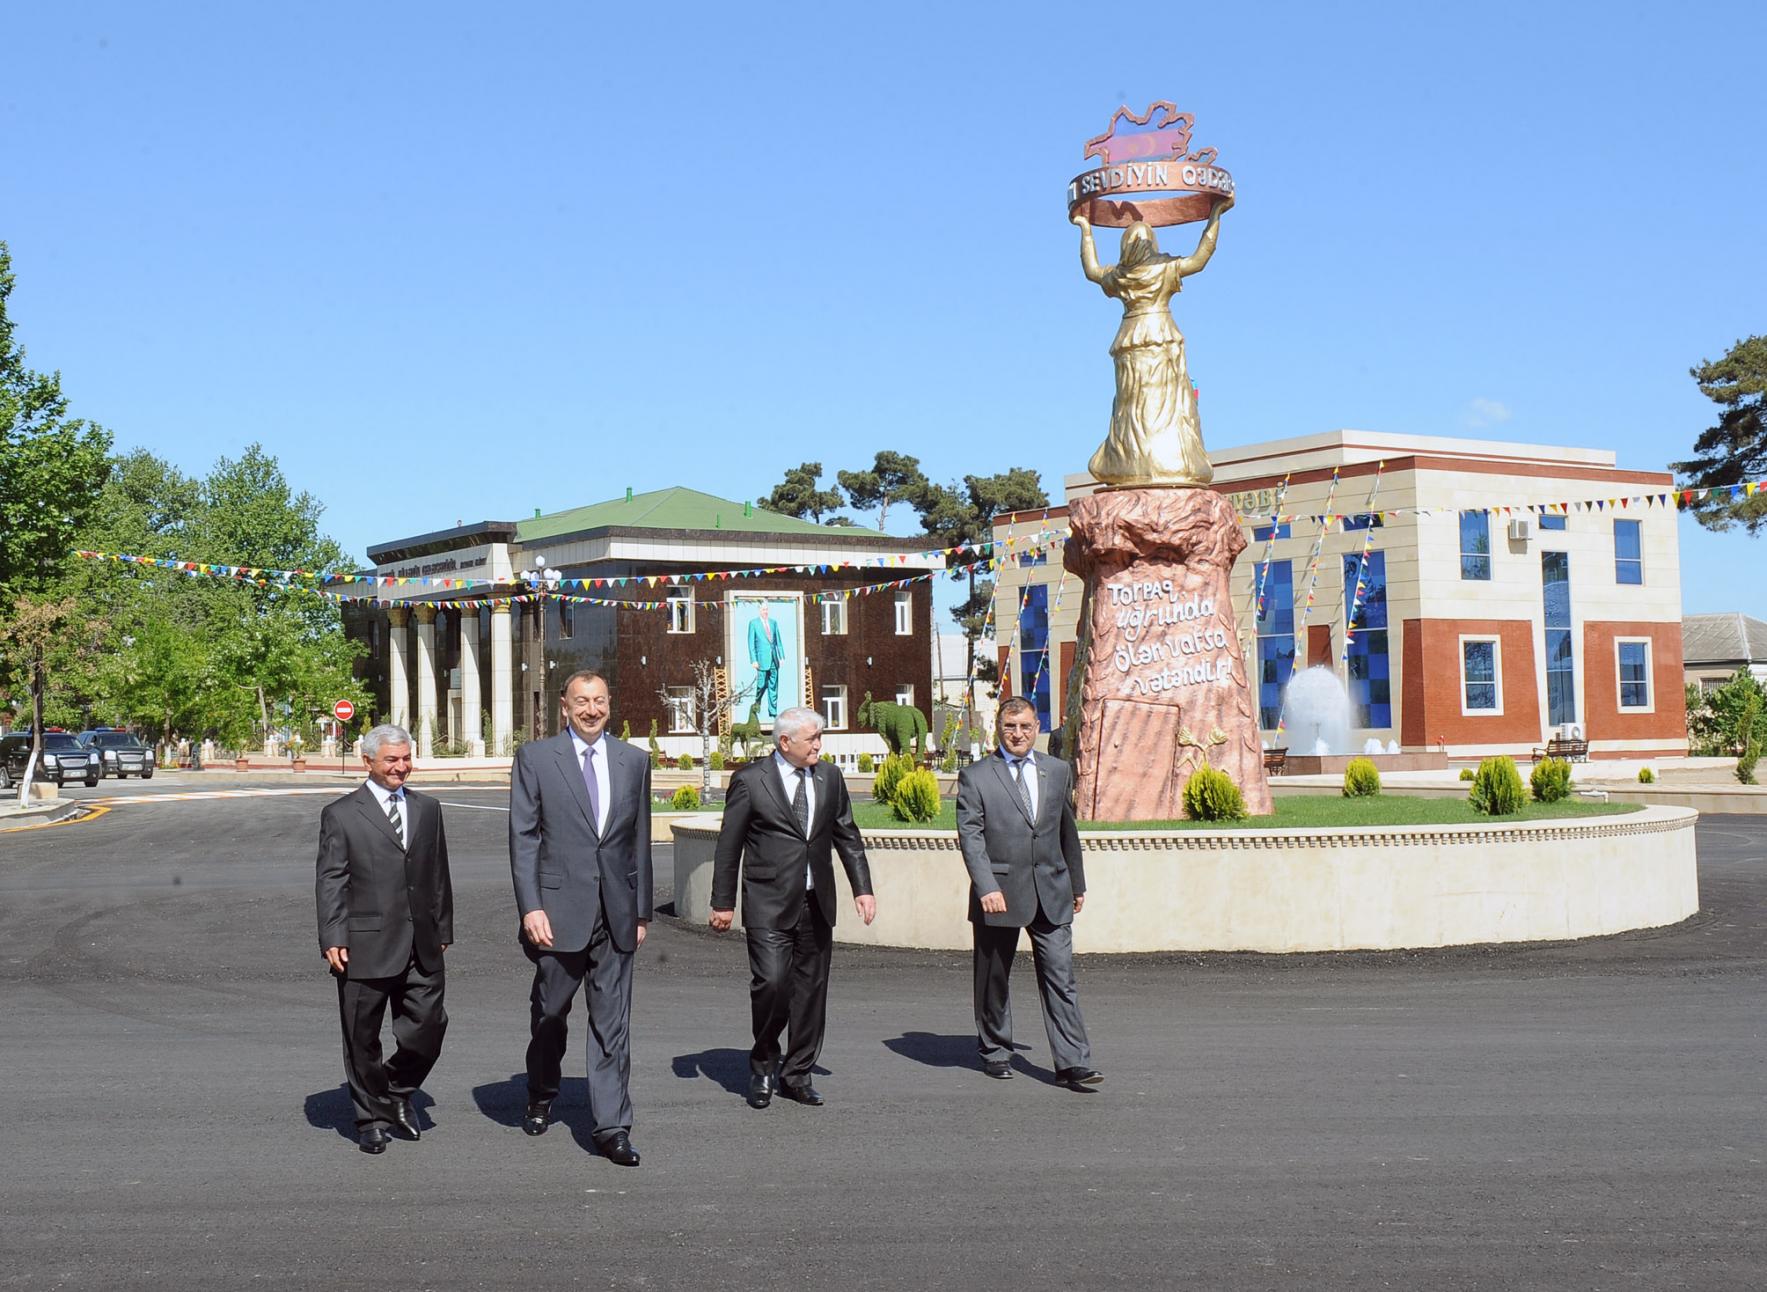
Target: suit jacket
x: 765, y: 647
x: 760, y: 831
x: 1033, y: 863
x: 559, y: 862
x: 376, y: 896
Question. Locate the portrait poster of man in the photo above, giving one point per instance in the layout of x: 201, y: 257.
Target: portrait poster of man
x: 766, y: 653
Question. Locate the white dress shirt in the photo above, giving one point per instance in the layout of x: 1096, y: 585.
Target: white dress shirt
x: 383, y: 796
x: 1028, y: 772
x: 788, y: 778
x: 602, y: 793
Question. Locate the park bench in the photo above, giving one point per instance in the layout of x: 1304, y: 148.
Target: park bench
x: 1275, y: 760
x: 1568, y: 748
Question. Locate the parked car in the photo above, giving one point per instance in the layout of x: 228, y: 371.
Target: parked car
x: 122, y: 753
x: 64, y: 759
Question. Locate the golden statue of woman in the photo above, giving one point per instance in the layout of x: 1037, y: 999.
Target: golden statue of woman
x: 1155, y: 436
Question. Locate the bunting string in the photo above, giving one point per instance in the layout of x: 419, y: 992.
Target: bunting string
x: 1355, y: 607
x: 1312, y: 585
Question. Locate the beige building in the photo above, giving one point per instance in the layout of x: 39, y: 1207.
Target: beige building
x: 1509, y: 592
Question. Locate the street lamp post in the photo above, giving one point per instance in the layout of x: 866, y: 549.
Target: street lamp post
x: 541, y: 580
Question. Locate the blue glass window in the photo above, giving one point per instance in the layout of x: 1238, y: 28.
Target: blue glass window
x: 1475, y: 545
x: 1033, y: 654
x: 1634, y: 675
x: 1367, y: 520
x: 1561, y: 665
x: 1263, y: 533
x: 1478, y: 672
x: 1039, y: 557
x: 1552, y: 521
x: 1367, y: 663
x: 1276, y: 642
x: 1628, y: 552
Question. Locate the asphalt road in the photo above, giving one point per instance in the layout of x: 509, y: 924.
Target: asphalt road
x: 1589, y: 1115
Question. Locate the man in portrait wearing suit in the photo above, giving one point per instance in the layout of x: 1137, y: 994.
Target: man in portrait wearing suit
x: 386, y: 915
x: 784, y: 815
x: 767, y: 654
x: 579, y: 851
x: 1022, y: 849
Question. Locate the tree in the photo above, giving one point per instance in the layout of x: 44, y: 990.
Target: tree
x: 51, y: 469
x: 709, y: 712
x: 953, y: 515
x: 1715, y: 717
x: 894, y: 477
x: 797, y: 495
x: 1734, y: 452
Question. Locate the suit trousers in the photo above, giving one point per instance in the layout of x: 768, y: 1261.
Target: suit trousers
x: 1052, y: 949
x: 788, y: 984
x: 419, y: 1021
x: 557, y: 976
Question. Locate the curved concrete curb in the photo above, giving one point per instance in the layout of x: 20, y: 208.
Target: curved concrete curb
x: 13, y: 818
x: 1294, y: 890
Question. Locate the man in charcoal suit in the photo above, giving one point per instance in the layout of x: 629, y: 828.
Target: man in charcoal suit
x: 579, y: 852
x: 386, y: 915
x: 784, y: 817
x: 1022, y: 849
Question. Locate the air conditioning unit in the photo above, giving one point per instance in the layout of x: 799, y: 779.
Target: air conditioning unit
x: 1521, y: 529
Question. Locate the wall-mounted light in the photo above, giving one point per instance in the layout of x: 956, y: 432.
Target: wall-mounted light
x: 643, y: 660
x: 868, y: 661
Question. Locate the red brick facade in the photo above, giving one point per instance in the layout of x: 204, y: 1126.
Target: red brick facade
x: 1430, y: 674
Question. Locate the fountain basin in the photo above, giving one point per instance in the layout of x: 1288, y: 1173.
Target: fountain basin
x: 1427, y: 760
x: 1343, y: 889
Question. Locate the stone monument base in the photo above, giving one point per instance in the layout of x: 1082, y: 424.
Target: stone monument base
x: 1164, y: 687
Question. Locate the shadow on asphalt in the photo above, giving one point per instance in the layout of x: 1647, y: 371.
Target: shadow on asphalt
x: 946, y: 1051
x: 729, y: 1068
x: 333, y: 1110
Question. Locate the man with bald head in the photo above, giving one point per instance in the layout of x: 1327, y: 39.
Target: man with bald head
x: 785, y: 816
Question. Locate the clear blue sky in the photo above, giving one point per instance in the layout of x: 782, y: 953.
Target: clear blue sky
x: 460, y: 261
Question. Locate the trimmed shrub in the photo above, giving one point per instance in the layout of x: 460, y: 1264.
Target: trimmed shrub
x: 685, y: 762
x: 867, y: 764
x: 626, y: 730
x: 1550, y: 780
x: 1466, y: 773
x: 917, y: 797
x: 1211, y: 795
x: 1361, y: 779
x: 889, y: 775
x: 717, y: 760
x: 1497, y: 787
x: 1745, y: 738
x: 1646, y: 776
x: 685, y: 799
x: 656, y: 750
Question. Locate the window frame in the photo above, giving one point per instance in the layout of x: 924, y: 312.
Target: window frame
x: 822, y: 705
x: 1496, y: 682
x: 679, y: 706
x: 1553, y: 522
x: 1621, y: 563
x: 679, y: 598
x: 904, y: 613
x: 905, y: 694
x: 836, y: 608
x: 1620, y: 683
x: 1484, y: 519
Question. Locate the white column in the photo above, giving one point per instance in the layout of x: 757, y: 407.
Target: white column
x: 502, y: 710
x: 398, y: 683
x: 469, y: 683
x: 426, y: 681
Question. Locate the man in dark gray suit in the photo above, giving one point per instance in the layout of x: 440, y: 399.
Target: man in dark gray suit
x: 386, y: 915
x: 1015, y: 825
x: 579, y: 851
x: 784, y: 816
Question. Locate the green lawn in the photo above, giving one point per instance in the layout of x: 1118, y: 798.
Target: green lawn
x: 1294, y: 812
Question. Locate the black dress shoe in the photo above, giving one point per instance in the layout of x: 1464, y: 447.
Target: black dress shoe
x: 371, y: 1139
x: 1079, y: 1078
x: 404, y: 1124
x: 535, y: 1118
x: 805, y: 1094
x: 999, y: 1069
x: 760, y: 1089
x: 617, y: 1148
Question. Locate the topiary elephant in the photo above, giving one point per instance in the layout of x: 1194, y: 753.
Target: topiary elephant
x: 900, y: 725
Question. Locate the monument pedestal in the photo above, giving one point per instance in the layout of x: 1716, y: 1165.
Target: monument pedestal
x: 1165, y: 687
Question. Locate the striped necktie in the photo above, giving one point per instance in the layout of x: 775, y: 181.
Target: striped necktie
x: 395, y: 817
x: 1024, y: 791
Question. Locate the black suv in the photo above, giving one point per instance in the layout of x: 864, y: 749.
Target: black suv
x: 122, y: 753
x: 64, y: 759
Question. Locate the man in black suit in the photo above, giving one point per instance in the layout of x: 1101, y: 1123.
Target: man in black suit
x: 386, y: 915
x: 1015, y: 825
x: 783, y: 817
x: 579, y: 852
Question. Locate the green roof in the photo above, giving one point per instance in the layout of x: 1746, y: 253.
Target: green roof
x: 676, y: 508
